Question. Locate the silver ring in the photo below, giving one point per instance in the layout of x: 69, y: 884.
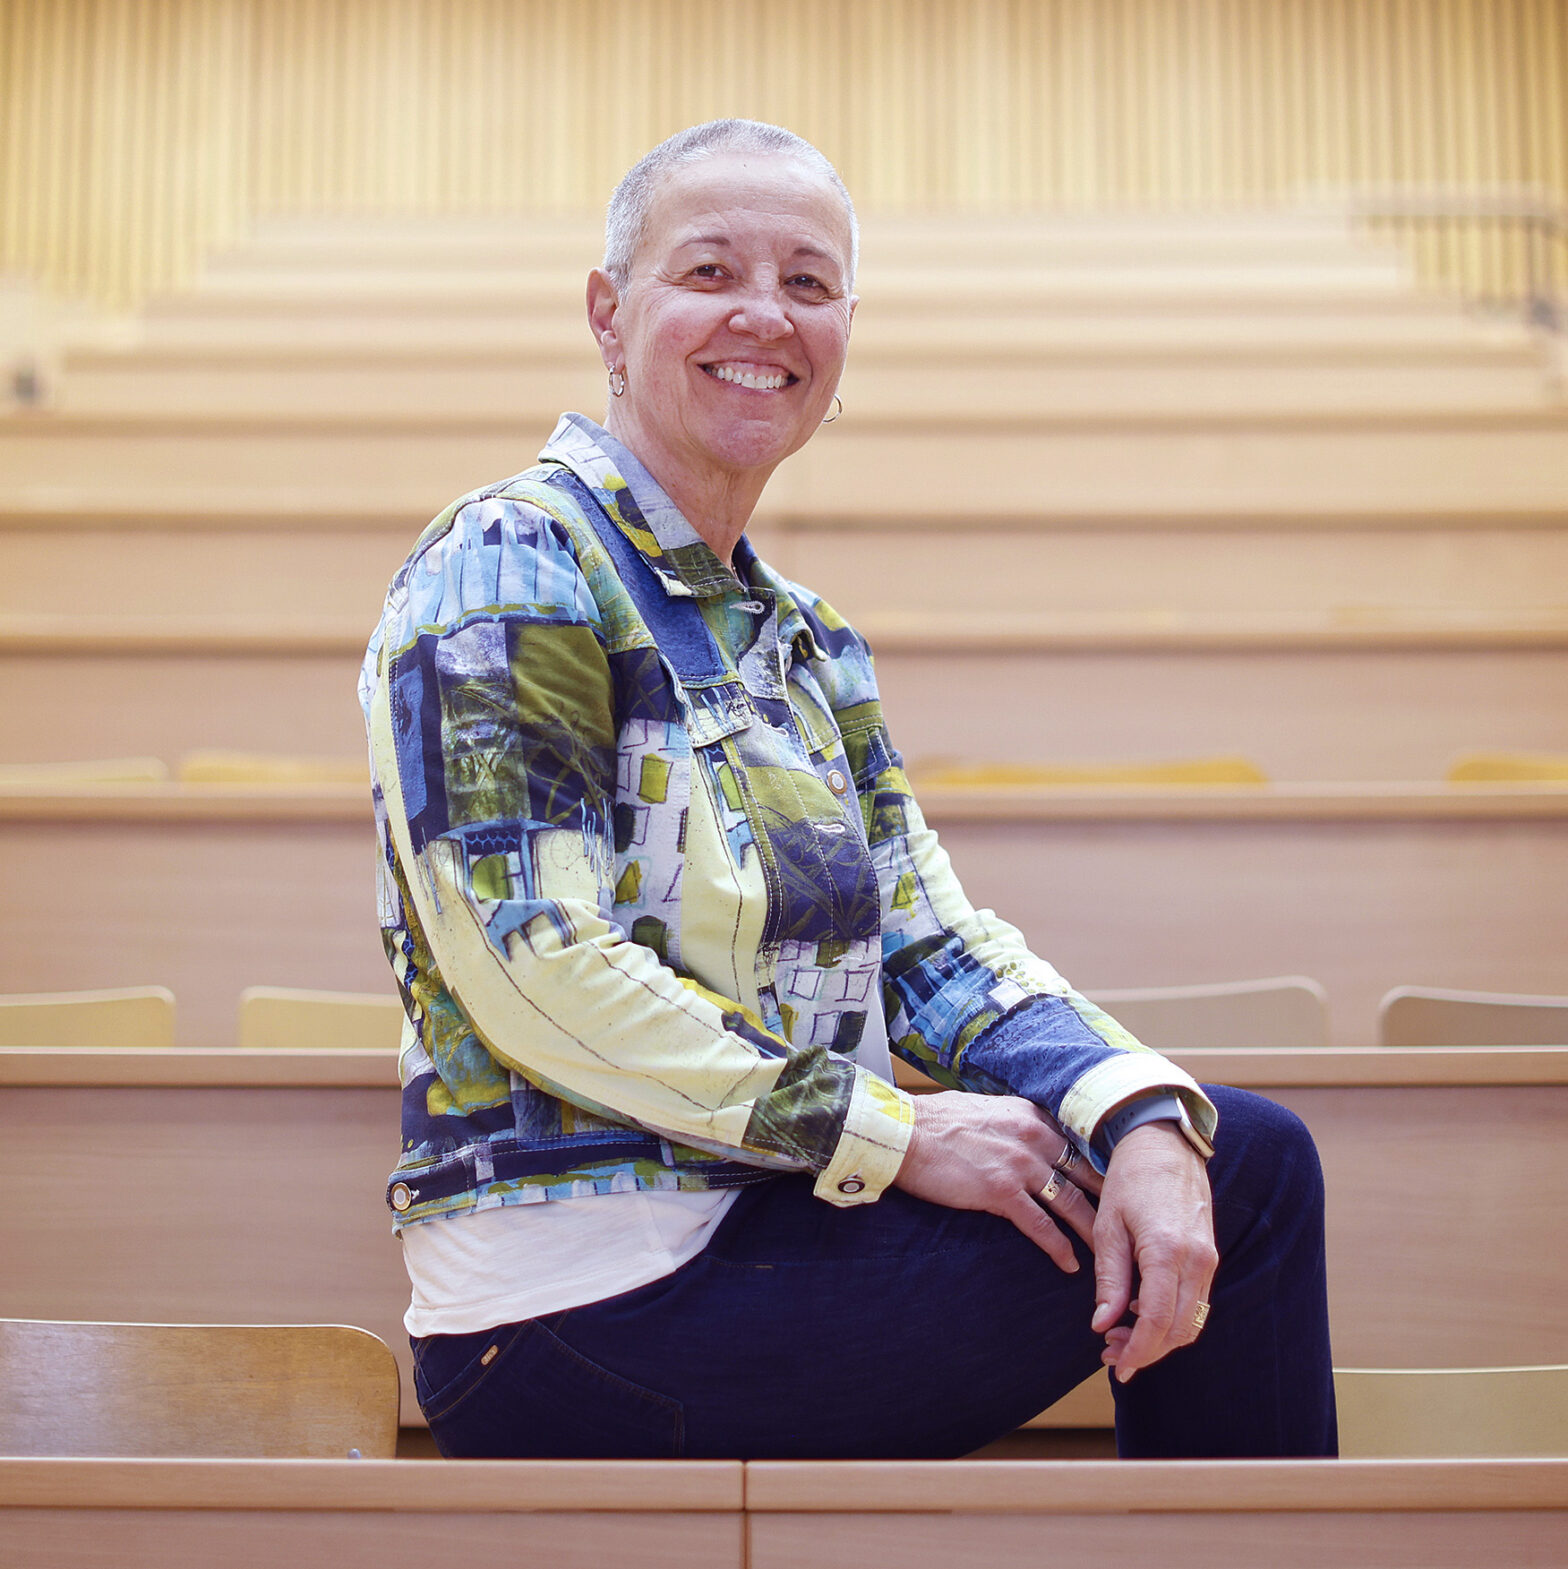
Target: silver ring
x: 1069, y: 1158
x: 1052, y: 1187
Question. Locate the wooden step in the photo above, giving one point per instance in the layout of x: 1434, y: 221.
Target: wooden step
x: 437, y: 385
x: 1157, y: 571
x: 1059, y: 580
x: 1335, y: 708
x: 967, y: 1514
x: 972, y: 288
x: 209, y: 889
x: 1414, y: 326
x: 886, y: 241
x: 1491, y: 458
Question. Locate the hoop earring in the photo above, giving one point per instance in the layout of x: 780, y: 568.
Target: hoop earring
x: 617, y: 375
x: 838, y: 408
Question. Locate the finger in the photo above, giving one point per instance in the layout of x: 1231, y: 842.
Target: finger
x: 1040, y: 1230
x: 1156, y: 1328
x: 1112, y: 1271
x: 1116, y: 1338
x: 1072, y: 1205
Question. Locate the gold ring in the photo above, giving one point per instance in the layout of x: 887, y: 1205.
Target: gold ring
x: 1200, y: 1315
x: 1052, y: 1187
x: 1067, y: 1159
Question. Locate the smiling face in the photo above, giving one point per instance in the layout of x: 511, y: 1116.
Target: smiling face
x: 733, y: 325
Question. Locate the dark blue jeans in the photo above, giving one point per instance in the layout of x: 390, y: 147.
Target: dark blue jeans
x: 904, y: 1329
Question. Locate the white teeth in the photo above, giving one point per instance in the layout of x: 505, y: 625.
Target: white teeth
x: 747, y: 379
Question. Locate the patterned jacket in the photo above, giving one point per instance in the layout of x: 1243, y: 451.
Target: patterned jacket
x: 652, y: 880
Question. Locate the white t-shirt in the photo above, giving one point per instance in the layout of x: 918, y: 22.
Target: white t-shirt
x: 499, y: 1266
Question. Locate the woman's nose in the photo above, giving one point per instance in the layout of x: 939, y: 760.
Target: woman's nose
x: 760, y: 313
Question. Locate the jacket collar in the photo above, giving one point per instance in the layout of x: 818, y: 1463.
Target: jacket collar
x: 635, y: 501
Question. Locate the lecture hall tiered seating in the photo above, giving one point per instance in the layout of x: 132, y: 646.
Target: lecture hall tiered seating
x: 1193, y: 552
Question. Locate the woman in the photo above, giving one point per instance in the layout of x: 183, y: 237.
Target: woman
x: 658, y: 898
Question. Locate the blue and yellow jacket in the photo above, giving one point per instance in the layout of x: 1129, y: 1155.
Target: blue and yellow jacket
x: 652, y: 880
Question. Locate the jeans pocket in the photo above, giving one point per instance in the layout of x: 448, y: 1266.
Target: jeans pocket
x: 447, y: 1368
x: 538, y: 1398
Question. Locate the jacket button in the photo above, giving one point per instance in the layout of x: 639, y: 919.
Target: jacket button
x: 837, y: 783
x: 401, y: 1197
x: 851, y: 1185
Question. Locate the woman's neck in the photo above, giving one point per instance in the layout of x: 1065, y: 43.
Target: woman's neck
x: 718, y: 503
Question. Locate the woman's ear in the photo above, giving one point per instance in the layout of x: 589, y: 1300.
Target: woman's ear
x: 603, y: 302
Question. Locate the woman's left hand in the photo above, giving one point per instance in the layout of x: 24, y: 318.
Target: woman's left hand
x: 1155, y: 1218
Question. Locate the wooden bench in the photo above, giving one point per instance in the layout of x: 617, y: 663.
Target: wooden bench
x: 315, y: 1514
x: 247, y: 1187
x: 775, y: 1515
x: 1193, y: 1515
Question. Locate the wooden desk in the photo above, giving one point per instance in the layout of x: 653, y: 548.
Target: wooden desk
x: 233, y: 1186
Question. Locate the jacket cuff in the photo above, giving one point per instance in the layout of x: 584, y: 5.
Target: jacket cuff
x: 1128, y: 1076
x: 871, y: 1148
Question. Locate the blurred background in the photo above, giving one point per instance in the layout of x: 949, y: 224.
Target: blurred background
x: 1203, y: 481
x: 138, y: 136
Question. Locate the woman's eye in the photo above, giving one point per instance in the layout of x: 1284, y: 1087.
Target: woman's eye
x: 707, y: 270
x: 804, y: 280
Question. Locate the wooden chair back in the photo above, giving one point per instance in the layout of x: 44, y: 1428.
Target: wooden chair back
x: 1432, y: 1016
x: 274, y: 1016
x: 91, y: 771
x: 1282, y: 1011
x: 1414, y: 1413
x: 266, y: 768
x: 1223, y: 770
x: 1508, y: 768
x: 127, y: 1016
x: 238, y: 1391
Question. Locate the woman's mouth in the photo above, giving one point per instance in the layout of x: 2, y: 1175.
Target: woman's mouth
x: 759, y: 378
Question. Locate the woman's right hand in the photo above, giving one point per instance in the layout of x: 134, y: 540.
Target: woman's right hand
x: 995, y: 1153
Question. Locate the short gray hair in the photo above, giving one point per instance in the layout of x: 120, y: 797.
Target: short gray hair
x: 626, y: 221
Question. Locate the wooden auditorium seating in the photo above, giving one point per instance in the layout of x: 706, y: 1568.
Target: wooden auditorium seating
x: 127, y: 1016
x: 1406, y: 1412
x: 1285, y: 1011
x: 1433, y: 1016
x: 307, y: 1391
x: 284, y: 1016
